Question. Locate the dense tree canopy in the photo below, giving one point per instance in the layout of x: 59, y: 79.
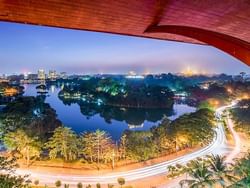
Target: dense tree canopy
x: 31, y: 114
x: 241, y: 116
x: 116, y: 93
x: 64, y: 143
x: 186, y: 131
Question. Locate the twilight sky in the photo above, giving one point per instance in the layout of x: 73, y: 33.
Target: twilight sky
x: 26, y: 48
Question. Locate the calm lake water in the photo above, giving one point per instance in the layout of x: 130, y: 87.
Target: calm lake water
x: 112, y: 120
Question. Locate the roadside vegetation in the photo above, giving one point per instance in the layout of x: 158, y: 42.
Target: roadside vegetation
x: 210, y: 171
x: 241, y: 116
x: 213, y: 171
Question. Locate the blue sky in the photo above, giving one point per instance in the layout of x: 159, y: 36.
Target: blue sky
x: 26, y: 48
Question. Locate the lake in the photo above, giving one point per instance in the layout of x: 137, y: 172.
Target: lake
x: 113, y: 120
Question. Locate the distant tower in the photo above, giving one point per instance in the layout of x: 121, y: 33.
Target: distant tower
x: 41, y: 74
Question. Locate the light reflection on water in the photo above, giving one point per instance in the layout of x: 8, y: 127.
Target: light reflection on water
x: 112, y: 120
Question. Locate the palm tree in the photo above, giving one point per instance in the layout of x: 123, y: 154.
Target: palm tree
x: 242, y: 170
x: 200, y: 174
x: 220, y: 170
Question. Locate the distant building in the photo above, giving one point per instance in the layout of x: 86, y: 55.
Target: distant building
x: 41, y: 74
x: 52, y: 75
x: 133, y: 126
x: 4, y: 76
x: 133, y: 75
x: 63, y: 75
x: 32, y: 76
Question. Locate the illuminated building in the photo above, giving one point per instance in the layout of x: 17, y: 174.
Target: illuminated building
x: 132, y: 126
x: 52, y: 75
x: 10, y: 91
x: 41, y: 74
x: 133, y: 75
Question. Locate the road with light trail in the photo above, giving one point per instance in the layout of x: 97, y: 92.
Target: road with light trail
x: 217, y: 146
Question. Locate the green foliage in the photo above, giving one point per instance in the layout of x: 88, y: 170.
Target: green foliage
x: 194, y: 129
x: 7, y: 180
x: 58, y: 183
x: 212, y: 171
x: 140, y: 145
x: 242, y: 170
x: 64, y: 143
x: 241, y: 116
x: 18, y: 141
x: 10, y: 181
x: 8, y: 164
x: 121, y: 181
x: 205, y: 104
x: 116, y: 93
x: 79, y: 185
x: 186, y: 131
x: 97, y: 146
x: 31, y: 114
x: 36, y: 182
x: 200, y: 174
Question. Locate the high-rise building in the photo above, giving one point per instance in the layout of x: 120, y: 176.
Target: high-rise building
x: 41, y: 74
x: 52, y: 75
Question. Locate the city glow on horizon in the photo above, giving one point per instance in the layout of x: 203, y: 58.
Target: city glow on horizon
x: 27, y: 48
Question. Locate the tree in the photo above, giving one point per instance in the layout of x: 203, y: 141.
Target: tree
x: 121, y: 181
x: 200, y: 174
x: 102, y: 145
x: 7, y: 164
x: 36, y: 182
x: 98, y: 185
x: 173, y: 171
x: 97, y: 146
x: 28, y: 147
x: 64, y: 143
x: 79, y: 185
x: 220, y: 170
x: 140, y: 145
x: 123, y: 146
x: 88, y: 145
x: 242, y: 170
x: 7, y: 180
x: 58, y: 183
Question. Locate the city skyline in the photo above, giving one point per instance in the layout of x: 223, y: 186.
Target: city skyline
x: 27, y: 48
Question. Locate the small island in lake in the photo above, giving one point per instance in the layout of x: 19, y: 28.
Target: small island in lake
x: 111, y: 92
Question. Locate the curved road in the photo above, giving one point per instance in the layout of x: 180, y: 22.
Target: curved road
x: 218, y: 146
